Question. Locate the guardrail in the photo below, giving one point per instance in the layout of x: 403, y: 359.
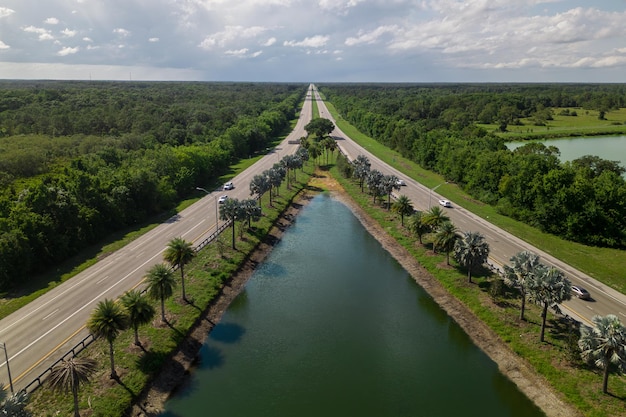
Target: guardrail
x: 89, y: 339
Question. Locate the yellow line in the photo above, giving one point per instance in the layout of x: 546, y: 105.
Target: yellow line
x: 47, y: 355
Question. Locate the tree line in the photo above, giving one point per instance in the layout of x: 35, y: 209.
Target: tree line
x: 61, y: 193
x: 601, y: 346
x: 436, y: 126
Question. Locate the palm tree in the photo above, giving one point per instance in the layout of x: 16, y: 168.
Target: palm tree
x: 108, y: 320
x: 417, y: 225
x: 387, y: 185
x: 435, y: 217
x: 161, y: 283
x: 14, y: 404
x: 445, y: 238
x: 139, y: 310
x: 179, y: 253
x: 471, y: 250
x: 403, y: 207
x: 549, y: 288
x: 231, y: 211
x: 520, y: 275
x: 604, y: 344
x: 69, y: 374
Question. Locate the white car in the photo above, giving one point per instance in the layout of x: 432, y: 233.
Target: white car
x: 445, y: 203
x: 222, y: 199
x: 401, y: 182
x: 580, y: 292
x: 229, y: 186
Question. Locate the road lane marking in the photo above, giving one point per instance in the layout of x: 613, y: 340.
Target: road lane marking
x: 51, y: 314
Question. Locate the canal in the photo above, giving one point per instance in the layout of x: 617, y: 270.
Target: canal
x: 332, y: 325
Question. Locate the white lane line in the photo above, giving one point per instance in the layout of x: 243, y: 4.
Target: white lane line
x: 54, y: 312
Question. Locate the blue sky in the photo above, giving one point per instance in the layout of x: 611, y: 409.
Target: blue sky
x: 315, y: 40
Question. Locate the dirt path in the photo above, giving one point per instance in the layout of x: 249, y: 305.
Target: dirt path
x: 519, y: 371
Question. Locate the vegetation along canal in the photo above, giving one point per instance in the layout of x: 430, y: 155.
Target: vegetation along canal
x: 331, y: 325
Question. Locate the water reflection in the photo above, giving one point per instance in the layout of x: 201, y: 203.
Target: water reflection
x: 333, y: 326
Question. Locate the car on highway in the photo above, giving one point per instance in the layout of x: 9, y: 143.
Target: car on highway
x: 445, y: 203
x: 401, y: 183
x: 222, y: 199
x: 580, y: 292
x: 229, y: 186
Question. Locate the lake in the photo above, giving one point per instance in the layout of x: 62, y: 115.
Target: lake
x: 612, y: 148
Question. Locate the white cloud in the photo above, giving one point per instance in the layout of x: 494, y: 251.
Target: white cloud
x: 5, y: 11
x: 231, y: 34
x: 387, y: 40
x: 67, y: 51
x: 371, y: 37
x: 68, y: 33
x: 271, y: 41
x: 121, y: 32
x: 4, y: 46
x: 316, y: 41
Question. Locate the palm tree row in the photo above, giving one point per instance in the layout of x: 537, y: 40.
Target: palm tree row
x: 602, y: 345
x: 133, y: 309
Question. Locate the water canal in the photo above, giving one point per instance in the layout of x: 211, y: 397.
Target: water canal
x: 332, y: 325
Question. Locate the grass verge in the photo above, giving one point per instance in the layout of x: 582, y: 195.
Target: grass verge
x: 557, y: 359
x: 206, y: 276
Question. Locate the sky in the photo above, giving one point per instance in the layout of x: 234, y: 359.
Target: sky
x: 314, y: 40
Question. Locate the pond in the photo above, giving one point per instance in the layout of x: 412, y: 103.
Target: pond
x: 612, y: 148
x: 332, y: 325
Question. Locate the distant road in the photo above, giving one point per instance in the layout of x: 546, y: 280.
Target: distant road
x: 40, y: 333
x: 503, y: 245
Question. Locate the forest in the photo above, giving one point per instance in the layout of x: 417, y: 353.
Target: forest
x: 80, y: 160
x: 437, y: 126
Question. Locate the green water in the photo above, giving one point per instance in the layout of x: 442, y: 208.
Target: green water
x: 331, y: 325
x: 612, y: 148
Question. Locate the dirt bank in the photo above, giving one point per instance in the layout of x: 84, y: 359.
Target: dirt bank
x: 176, y: 370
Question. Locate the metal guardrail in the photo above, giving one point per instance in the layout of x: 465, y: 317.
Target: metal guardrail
x: 89, y: 339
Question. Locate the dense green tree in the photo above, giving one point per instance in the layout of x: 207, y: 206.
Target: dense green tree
x: 320, y: 127
x: 107, y: 320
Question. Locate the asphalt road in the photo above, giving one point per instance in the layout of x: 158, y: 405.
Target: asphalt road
x: 503, y: 245
x: 37, y: 335
x: 40, y: 333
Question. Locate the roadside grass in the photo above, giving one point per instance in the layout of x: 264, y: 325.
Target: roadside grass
x: 604, y: 264
x: 555, y: 359
x: 206, y: 276
x: 586, y: 123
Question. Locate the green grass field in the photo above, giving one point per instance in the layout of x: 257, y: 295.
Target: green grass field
x: 586, y: 123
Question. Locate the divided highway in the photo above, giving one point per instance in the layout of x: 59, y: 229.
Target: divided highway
x: 503, y: 245
x: 39, y: 334
x: 43, y: 331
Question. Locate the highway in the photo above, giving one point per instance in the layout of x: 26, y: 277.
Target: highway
x: 503, y: 245
x: 43, y: 331
x: 40, y: 333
